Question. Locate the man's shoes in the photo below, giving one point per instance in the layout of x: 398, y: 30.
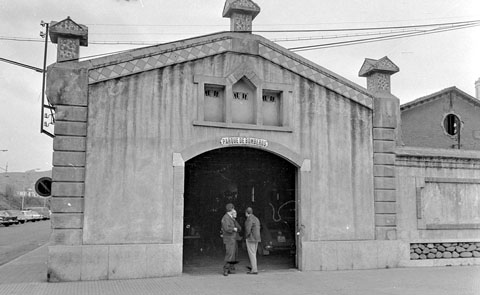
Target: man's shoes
x: 225, y: 272
x: 252, y: 273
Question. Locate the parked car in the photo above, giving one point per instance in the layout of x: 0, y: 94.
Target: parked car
x: 6, y: 219
x: 36, y: 216
x: 20, y: 216
x: 29, y: 215
x: 276, y: 236
x: 44, y: 211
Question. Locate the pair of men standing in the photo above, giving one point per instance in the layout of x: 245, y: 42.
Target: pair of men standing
x: 230, y: 231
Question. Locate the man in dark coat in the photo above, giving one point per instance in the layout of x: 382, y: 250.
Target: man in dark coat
x: 230, y: 230
x: 252, y: 237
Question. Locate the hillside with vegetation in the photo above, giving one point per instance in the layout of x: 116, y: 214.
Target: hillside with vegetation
x: 18, y: 187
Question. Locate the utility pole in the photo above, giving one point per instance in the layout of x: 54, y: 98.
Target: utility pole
x: 6, y: 166
x: 45, y: 105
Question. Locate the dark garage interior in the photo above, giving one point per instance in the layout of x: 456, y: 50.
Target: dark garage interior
x: 246, y: 177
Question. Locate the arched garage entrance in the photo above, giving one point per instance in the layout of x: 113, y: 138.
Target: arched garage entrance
x: 246, y: 177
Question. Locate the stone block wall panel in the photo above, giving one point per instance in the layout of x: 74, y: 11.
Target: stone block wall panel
x: 383, y: 195
x: 67, y: 90
x: 67, y: 205
x: 70, y: 174
x: 70, y: 128
x: 94, y: 263
x: 384, y: 158
x: 384, y: 183
x: 385, y: 219
x: 70, y: 113
x: 385, y: 232
x: 68, y: 237
x: 384, y: 134
x: 348, y: 255
x: 110, y: 262
x: 68, y: 189
x: 69, y: 144
x: 384, y: 170
x: 69, y: 159
x: 385, y: 207
x: 383, y: 146
x: 67, y: 221
x: 63, y: 262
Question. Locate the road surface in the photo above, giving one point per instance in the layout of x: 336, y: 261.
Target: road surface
x: 17, y: 240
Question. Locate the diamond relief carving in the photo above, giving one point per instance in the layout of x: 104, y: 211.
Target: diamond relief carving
x: 195, y: 52
x: 158, y: 61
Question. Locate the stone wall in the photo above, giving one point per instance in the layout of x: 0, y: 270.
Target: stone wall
x: 438, y: 213
x: 444, y: 250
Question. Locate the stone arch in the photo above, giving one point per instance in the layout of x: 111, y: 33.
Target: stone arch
x: 303, y: 166
x: 278, y: 149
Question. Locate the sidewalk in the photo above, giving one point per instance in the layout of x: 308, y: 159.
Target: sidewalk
x: 27, y: 275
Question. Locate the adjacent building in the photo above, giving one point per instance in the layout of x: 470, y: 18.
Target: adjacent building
x: 447, y: 119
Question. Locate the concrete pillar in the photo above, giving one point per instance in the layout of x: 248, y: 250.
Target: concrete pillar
x: 241, y: 14
x: 69, y: 36
x: 386, y: 124
x: 67, y: 91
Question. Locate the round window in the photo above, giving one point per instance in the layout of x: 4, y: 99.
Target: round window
x: 451, y: 124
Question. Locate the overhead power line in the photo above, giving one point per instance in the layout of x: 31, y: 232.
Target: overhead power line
x: 21, y: 39
x: 21, y: 65
x: 284, y: 24
x: 385, y: 33
x: 383, y: 38
x: 366, y: 28
x: 296, y: 31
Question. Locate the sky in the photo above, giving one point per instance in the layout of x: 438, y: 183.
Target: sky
x: 428, y: 63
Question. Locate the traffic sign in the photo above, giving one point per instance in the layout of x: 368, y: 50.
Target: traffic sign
x: 43, y: 186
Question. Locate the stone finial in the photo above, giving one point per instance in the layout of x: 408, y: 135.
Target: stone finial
x: 69, y: 36
x: 241, y: 14
x: 378, y: 73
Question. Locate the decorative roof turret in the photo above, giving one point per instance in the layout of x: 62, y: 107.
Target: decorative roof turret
x: 241, y: 14
x: 378, y: 73
x: 69, y: 36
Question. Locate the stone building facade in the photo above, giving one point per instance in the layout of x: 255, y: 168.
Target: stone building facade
x: 128, y: 125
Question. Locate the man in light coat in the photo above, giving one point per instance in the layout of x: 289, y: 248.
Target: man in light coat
x: 230, y: 230
x: 252, y: 237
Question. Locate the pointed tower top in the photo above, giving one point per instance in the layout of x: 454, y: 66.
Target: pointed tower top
x: 378, y: 73
x: 69, y: 36
x: 241, y: 14
x: 68, y: 27
x: 384, y: 65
